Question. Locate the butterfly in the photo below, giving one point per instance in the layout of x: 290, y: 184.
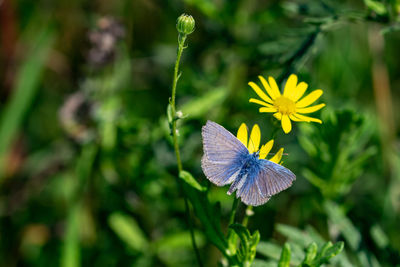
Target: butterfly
x: 227, y: 161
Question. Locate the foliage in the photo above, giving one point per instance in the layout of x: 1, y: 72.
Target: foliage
x: 89, y: 132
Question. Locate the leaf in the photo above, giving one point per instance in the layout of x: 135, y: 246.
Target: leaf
x: 170, y: 114
x: 178, y: 240
x: 27, y: 85
x: 331, y: 251
x: 128, y: 231
x: 345, y: 226
x: 199, y: 106
x: 314, y: 235
x: 205, y: 212
x: 294, y: 234
x: 313, y: 179
x: 262, y: 263
x: 379, y: 236
x: 269, y: 250
x: 189, y: 179
x: 207, y: 7
x: 243, y: 233
x: 71, y: 256
x: 311, y: 252
x: 378, y: 7
x: 284, y: 260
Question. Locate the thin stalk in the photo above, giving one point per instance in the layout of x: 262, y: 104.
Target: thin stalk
x: 232, y: 238
x: 249, y: 212
x: 233, y: 211
x: 181, y: 46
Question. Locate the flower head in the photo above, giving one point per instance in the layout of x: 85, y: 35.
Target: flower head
x: 287, y: 106
x: 253, y: 143
x: 185, y: 24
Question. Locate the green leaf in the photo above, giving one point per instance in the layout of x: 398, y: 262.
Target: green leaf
x: 262, y: 263
x: 189, y: 179
x: 379, y: 236
x: 284, y: 260
x: 294, y: 234
x: 269, y: 250
x: 311, y: 252
x: 327, y: 252
x: 378, y: 7
x: 128, y: 231
x: 314, y: 235
x: 205, y: 212
x: 243, y: 233
x: 343, y: 224
x: 200, y: 106
x: 26, y: 87
x: 331, y: 251
x: 178, y: 240
x: 170, y: 114
x: 71, y: 256
x: 313, y: 179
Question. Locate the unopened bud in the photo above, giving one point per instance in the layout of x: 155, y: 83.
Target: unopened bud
x: 185, y: 24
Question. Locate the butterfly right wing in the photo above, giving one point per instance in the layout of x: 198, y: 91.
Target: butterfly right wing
x: 223, y: 154
x: 267, y: 180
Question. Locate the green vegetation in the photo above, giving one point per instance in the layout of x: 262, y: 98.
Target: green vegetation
x: 101, y: 110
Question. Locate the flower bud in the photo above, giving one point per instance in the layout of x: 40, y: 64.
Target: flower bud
x: 185, y: 24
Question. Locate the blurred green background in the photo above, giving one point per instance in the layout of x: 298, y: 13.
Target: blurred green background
x: 87, y: 168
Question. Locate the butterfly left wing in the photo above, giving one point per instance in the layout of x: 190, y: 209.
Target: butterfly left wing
x: 270, y: 179
x: 223, y: 154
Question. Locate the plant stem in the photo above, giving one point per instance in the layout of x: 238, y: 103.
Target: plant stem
x: 249, y: 212
x: 181, y: 46
x: 232, y: 238
x: 233, y: 211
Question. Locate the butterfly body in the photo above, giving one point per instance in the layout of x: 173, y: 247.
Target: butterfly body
x: 227, y: 161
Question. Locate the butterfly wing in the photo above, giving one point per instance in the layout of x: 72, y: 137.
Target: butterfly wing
x: 263, y: 182
x: 223, y: 154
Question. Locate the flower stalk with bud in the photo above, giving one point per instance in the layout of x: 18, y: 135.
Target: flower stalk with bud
x: 185, y: 26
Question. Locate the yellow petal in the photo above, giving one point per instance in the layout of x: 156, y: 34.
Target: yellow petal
x: 300, y: 90
x: 260, y: 93
x: 309, y: 99
x: 278, y: 115
x: 242, y: 134
x: 255, y: 137
x: 286, y: 124
x: 265, y: 109
x: 277, y: 157
x: 265, y: 149
x: 273, y: 92
x: 257, y: 101
x: 290, y: 86
x: 306, y: 118
x: 310, y: 109
x: 294, y: 118
x: 274, y: 86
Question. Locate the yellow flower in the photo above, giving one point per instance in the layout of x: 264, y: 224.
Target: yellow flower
x: 253, y: 143
x: 287, y: 106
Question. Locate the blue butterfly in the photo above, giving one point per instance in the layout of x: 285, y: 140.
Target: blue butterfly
x: 227, y: 161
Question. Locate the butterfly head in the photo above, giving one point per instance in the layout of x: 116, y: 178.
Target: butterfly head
x: 256, y: 154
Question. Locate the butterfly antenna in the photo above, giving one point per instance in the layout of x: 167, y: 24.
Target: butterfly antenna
x: 251, y: 139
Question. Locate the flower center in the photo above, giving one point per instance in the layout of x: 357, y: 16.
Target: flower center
x: 284, y: 105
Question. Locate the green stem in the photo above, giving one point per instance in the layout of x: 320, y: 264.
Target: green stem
x: 181, y: 46
x: 233, y: 211
x: 173, y: 97
x: 249, y: 212
x: 232, y: 238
